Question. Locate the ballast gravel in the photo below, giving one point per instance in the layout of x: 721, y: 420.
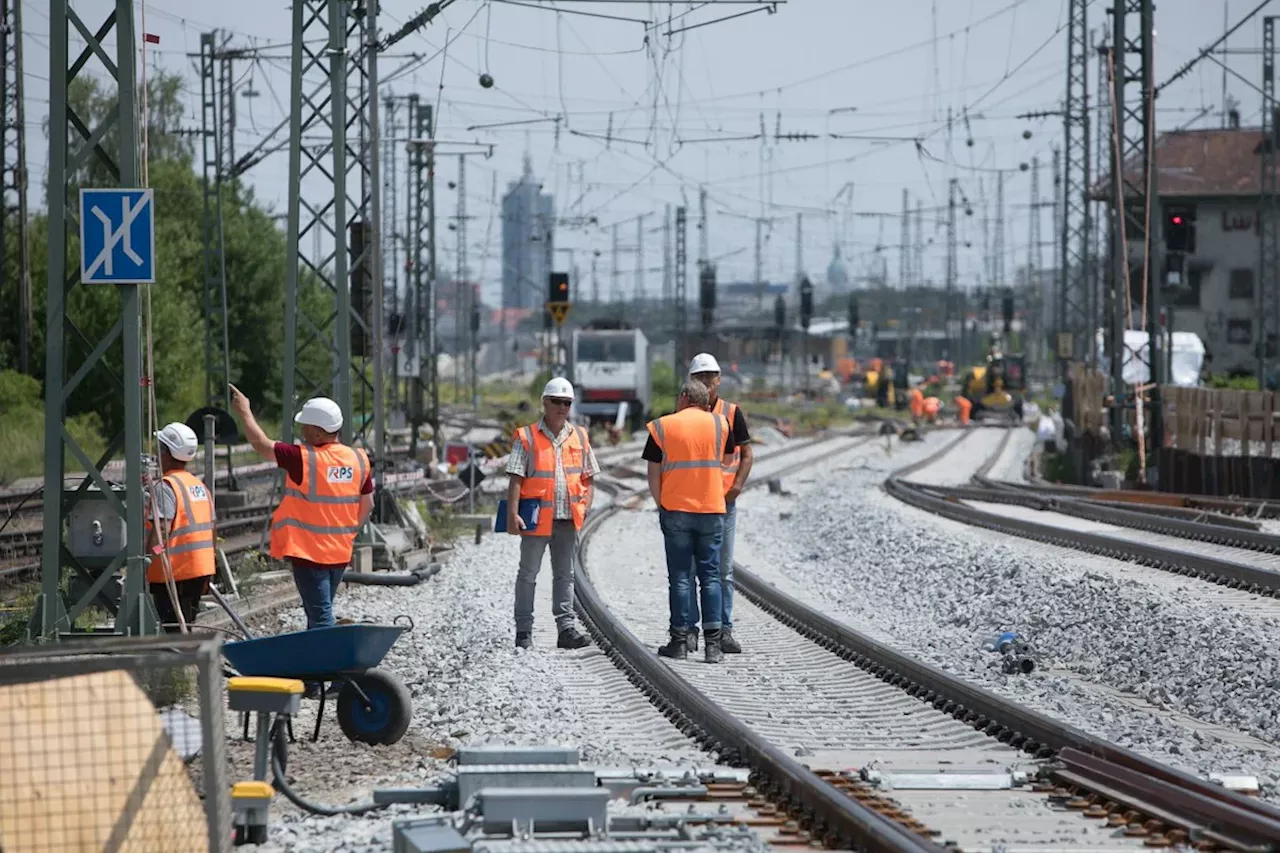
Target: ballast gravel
x: 1175, y: 673
x: 470, y: 686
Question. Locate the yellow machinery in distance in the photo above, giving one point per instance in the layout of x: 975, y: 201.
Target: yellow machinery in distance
x: 996, y: 387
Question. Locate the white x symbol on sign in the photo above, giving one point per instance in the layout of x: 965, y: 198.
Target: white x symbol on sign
x: 110, y: 238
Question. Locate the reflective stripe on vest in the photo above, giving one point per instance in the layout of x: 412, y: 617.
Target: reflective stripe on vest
x: 540, y: 484
x: 692, y: 445
x: 190, y: 543
x: 318, y: 519
x: 730, y: 471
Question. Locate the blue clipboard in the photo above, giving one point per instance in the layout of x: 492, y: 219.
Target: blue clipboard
x: 529, y: 509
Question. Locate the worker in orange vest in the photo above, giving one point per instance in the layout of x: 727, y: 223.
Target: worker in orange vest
x: 186, y: 529
x: 965, y: 407
x: 686, y: 452
x: 328, y: 497
x: 930, y: 406
x: 551, y: 462
x: 706, y: 370
x: 916, y: 402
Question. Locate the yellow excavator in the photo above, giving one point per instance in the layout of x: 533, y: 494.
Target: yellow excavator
x: 996, y: 387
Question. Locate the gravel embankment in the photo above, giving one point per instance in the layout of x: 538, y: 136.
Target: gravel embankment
x: 470, y: 686
x: 1170, y: 669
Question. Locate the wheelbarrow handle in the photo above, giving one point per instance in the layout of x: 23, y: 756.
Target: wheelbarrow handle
x: 235, y: 617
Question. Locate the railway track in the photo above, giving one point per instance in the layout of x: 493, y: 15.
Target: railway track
x: 1211, y: 547
x: 811, y: 698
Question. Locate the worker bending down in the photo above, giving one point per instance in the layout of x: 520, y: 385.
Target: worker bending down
x: 930, y: 407
x: 686, y: 452
x: 965, y: 408
x: 185, y: 513
x: 328, y: 497
x: 551, y: 462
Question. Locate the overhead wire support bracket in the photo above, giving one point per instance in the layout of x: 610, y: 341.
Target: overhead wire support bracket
x: 417, y: 22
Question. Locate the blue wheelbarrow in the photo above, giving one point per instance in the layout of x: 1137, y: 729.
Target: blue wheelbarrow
x: 373, y: 705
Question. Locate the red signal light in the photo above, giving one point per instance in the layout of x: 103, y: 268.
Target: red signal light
x: 1176, y: 220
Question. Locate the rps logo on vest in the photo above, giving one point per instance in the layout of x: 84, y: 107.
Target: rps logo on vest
x: 198, y: 493
x: 340, y: 474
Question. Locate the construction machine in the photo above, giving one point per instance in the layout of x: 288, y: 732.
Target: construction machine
x: 996, y: 387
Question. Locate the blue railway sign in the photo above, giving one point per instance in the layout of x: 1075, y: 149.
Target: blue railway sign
x: 117, y: 236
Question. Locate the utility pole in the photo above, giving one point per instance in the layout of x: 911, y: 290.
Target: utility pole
x: 640, y: 294
x: 330, y: 46
x: 997, y: 242
x: 424, y: 388
x: 704, y: 239
x: 13, y: 165
x: 953, y: 188
x: 1077, y: 312
x: 681, y: 296
x: 1139, y: 207
x: 904, y: 250
x: 1035, y: 292
x: 799, y: 246
x: 109, y: 35
x: 217, y: 347
x: 759, y: 276
x: 595, y: 280
x: 461, y: 314
x: 666, y: 256
x: 614, y: 291
x: 391, y: 220
x: 918, y: 266
x: 1267, y: 294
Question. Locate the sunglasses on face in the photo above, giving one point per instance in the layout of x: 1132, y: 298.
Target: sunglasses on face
x: 556, y: 401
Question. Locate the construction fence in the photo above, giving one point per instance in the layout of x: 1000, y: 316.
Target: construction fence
x: 1219, y: 442
x: 117, y: 745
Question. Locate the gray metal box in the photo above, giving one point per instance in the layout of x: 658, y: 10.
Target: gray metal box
x: 491, y: 755
x: 96, y: 534
x: 472, y: 780
x: 427, y: 835
x: 545, y: 809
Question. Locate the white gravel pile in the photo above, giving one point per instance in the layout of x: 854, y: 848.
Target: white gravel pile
x: 1177, y: 674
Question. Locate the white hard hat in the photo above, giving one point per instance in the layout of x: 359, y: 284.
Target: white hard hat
x: 320, y: 412
x: 704, y: 362
x: 559, y: 387
x: 181, y: 441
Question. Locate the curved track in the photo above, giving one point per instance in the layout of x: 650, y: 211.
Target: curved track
x: 812, y: 688
x: 1212, y: 548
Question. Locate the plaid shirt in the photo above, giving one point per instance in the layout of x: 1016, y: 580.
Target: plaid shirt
x: 520, y: 463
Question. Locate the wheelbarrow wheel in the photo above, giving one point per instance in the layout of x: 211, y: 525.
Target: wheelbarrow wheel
x: 385, y: 719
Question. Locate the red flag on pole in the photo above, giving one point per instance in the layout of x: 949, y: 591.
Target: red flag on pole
x: 152, y: 38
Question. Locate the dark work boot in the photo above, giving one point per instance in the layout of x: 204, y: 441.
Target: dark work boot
x: 524, y: 639
x: 570, y: 639
x: 711, y: 651
x: 728, y: 644
x: 691, y: 638
x: 677, y: 648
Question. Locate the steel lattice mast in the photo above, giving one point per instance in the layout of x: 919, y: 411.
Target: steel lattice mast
x: 1267, y: 293
x: 1076, y: 313
x: 331, y: 193
x: 13, y: 167
x: 213, y: 142
x: 75, y: 142
x: 1132, y: 44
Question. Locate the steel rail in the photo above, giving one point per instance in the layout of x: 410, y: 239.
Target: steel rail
x: 823, y: 808
x: 948, y: 501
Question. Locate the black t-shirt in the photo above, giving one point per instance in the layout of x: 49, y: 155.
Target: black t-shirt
x: 653, y: 453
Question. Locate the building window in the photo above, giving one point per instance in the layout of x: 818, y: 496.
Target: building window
x: 1240, y: 332
x: 1241, y: 286
x: 1188, y: 296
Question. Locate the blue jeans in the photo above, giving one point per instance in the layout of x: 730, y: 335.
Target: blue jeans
x: 692, y: 542
x: 726, y: 572
x: 317, y: 587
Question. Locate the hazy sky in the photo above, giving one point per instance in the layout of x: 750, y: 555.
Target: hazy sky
x: 901, y: 64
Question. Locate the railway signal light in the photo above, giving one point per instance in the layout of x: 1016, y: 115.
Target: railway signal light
x: 780, y: 312
x: 1180, y: 230
x: 559, y: 287
x: 806, y: 303
x: 707, y: 294
x: 1006, y: 312
x: 853, y: 317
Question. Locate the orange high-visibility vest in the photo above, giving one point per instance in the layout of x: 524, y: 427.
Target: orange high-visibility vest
x: 318, y: 519
x: 540, y: 485
x: 730, y: 471
x: 965, y: 406
x: 692, y: 445
x: 917, y: 402
x: 190, y: 543
x: 931, y: 407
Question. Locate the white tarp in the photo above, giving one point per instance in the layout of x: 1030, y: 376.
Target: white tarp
x: 1187, y: 357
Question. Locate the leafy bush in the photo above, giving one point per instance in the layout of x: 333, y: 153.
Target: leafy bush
x: 22, y: 429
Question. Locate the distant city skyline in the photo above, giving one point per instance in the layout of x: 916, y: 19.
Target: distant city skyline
x: 528, y: 241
